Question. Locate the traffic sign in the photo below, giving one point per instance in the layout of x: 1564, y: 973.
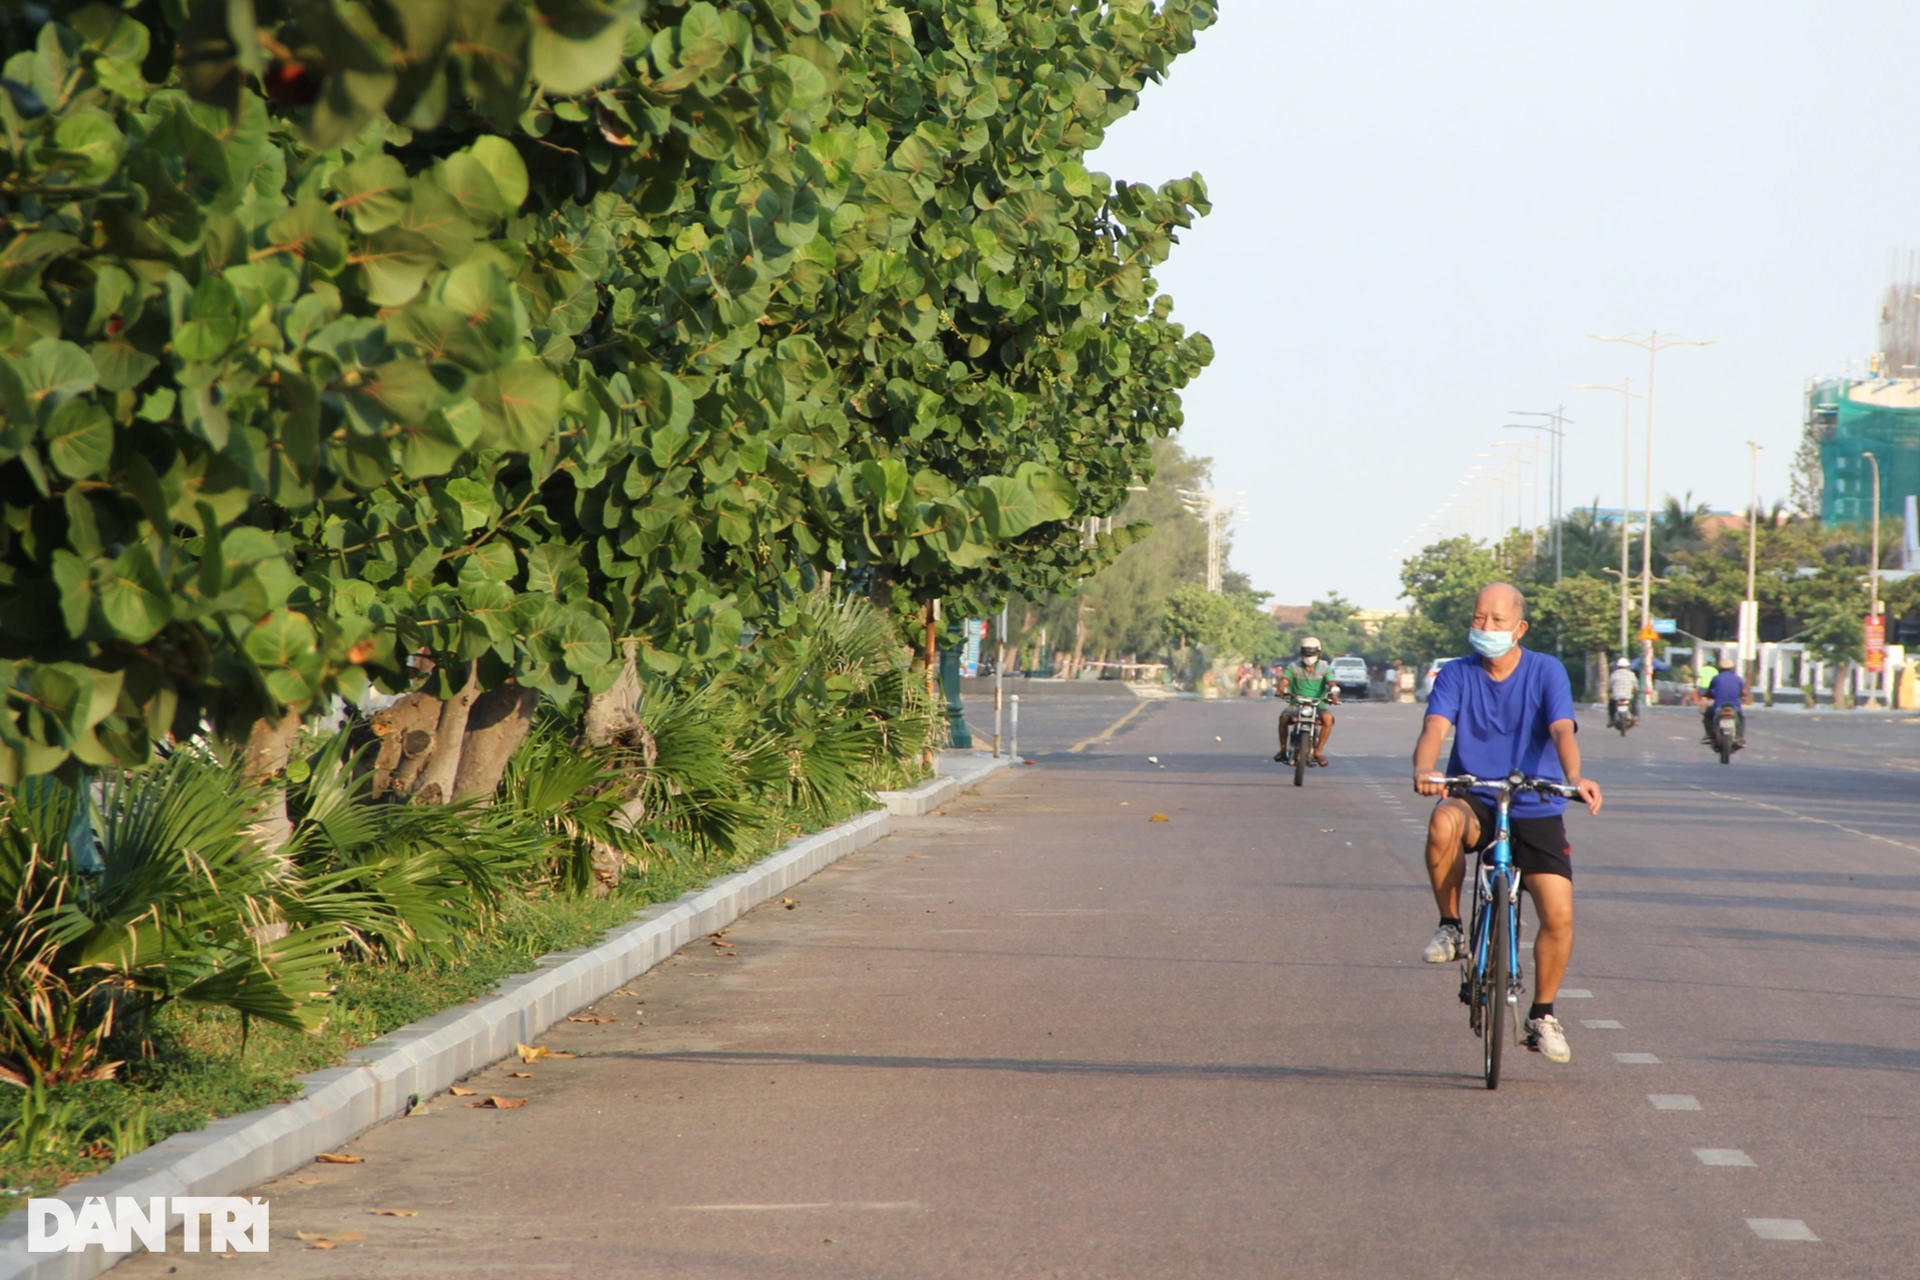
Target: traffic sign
x: 1648, y: 634
x: 1875, y: 627
x: 1666, y: 626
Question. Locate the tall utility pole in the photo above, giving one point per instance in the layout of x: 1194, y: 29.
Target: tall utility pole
x: 1556, y: 427
x: 1873, y: 570
x: 1653, y: 344
x: 1750, y: 607
x: 1873, y: 573
x: 1216, y: 508
x: 1625, y: 392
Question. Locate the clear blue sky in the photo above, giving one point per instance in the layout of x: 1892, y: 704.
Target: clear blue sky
x: 1421, y: 209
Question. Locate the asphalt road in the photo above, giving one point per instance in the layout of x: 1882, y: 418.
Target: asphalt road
x: 1041, y: 1035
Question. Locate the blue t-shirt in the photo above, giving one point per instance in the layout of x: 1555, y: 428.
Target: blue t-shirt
x: 1501, y: 725
x: 1726, y: 689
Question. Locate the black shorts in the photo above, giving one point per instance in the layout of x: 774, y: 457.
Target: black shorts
x: 1539, y: 845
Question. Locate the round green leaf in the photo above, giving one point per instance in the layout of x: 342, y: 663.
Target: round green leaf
x: 79, y: 439
x: 502, y: 160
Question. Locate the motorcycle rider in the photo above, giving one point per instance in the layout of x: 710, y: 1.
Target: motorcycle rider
x: 1623, y: 687
x: 1727, y: 690
x: 1311, y: 677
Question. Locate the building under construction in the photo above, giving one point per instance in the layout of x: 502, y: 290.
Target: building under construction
x: 1848, y: 417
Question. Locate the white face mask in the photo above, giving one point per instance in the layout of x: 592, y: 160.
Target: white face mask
x: 1489, y: 644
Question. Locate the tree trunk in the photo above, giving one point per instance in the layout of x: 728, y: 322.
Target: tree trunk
x: 434, y: 782
x: 406, y: 733
x: 613, y: 717
x: 1079, y: 639
x: 496, y: 726
x: 264, y: 761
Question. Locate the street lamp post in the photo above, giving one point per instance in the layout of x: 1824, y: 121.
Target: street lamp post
x: 1653, y: 344
x: 1557, y: 489
x: 1873, y: 570
x: 1750, y: 608
x: 1625, y: 392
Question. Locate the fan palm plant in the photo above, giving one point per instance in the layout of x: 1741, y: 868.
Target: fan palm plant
x: 144, y: 888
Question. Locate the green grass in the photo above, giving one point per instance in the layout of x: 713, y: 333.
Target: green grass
x: 198, y: 1064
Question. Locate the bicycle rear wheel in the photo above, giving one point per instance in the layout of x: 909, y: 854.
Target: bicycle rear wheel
x: 1499, y: 973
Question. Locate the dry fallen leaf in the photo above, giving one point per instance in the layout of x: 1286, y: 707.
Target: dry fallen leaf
x: 699, y: 975
x: 520, y: 1075
x: 531, y: 1053
x: 1326, y: 831
x: 310, y: 1182
x: 789, y: 903
x: 394, y: 1213
x: 309, y: 1235
x: 588, y: 1018
x: 320, y: 1244
x: 557, y: 1054
x: 336, y: 1157
x: 499, y: 1104
x: 720, y: 943
x: 1159, y: 817
x: 459, y: 1092
x: 624, y: 992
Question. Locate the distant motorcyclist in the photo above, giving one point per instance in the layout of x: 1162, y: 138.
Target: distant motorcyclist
x: 1308, y: 679
x: 1623, y: 692
x: 1727, y: 690
x: 1704, y: 677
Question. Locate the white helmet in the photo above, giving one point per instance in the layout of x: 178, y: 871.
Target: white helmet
x: 1623, y: 665
x: 1309, y: 642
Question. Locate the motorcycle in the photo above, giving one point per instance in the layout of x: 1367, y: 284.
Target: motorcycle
x: 1620, y: 715
x: 1303, y: 739
x: 1726, y: 732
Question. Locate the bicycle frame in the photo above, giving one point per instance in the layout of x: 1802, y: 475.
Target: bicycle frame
x: 1500, y: 863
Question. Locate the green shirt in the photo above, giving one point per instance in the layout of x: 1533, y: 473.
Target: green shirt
x: 1305, y: 682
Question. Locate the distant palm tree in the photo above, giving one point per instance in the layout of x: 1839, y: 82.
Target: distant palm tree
x: 1590, y: 541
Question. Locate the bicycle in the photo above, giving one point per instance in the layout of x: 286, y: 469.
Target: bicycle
x: 1491, y: 982
x: 1303, y: 739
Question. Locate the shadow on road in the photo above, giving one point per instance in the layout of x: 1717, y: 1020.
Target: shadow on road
x: 1774, y: 938
x: 1816, y: 1053
x: 1070, y: 1066
x: 1743, y: 875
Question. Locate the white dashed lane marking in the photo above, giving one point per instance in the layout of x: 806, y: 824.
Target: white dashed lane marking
x: 1602, y: 1024
x: 1674, y: 1101
x: 1573, y: 993
x: 1781, y: 1229
x: 1637, y: 1059
x: 1724, y: 1157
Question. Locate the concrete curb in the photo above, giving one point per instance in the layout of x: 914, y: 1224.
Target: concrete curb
x: 379, y: 1081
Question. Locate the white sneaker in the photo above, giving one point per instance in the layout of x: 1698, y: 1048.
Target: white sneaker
x: 1448, y: 944
x: 1548, y: 1038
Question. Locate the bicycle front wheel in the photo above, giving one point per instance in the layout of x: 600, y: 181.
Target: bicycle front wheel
x: 1302, y: 744
x: 1499, y: 973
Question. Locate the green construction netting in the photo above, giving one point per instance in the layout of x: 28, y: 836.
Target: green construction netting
x: 1892, y: 435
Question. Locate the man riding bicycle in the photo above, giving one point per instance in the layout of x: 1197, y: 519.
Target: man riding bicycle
x: 1510, y: 709
x: 1726, y: 690
x: 1306, y: 680
x: 1623, y: 687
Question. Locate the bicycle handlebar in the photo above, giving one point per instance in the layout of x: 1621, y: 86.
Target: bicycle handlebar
x: 1512, y: 782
